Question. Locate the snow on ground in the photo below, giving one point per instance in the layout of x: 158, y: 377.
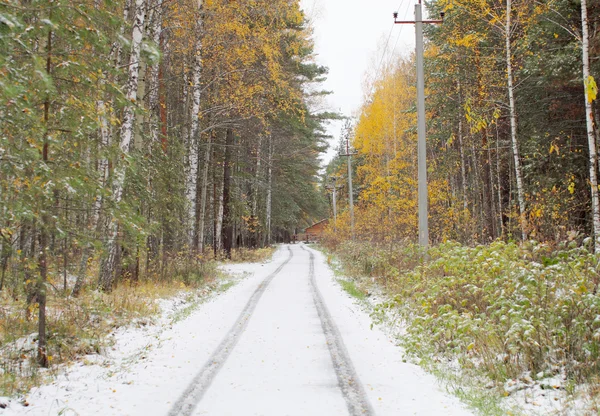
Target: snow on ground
x: 543, y: 395
x: 394, y: 387
x: 127, y: 377
x: 280, y: 364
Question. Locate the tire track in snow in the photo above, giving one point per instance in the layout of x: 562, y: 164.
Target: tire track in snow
x: 190, y: 398
x: 352, y: 389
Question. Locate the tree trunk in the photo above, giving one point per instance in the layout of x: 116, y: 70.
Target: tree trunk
x: 513, y: 124
x: 255, y: 192
x: 138, y: 127
x: 215, y: 206
x: 154, y: 81
x: 219, y: 226
x: 463, y: 162
x: 269, y: 192
x: 5, y: 257
x: 103, y: 147
x: 193, y: 139
x: 488, y: 187
x: 499, y: 185
x: 227, y: 215
x: 42, y: 356
x: 589, y: 118
x: 109, y: 264
x: 201, y: 219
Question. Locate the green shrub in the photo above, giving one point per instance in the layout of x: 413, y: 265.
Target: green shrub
x: 503, y: 308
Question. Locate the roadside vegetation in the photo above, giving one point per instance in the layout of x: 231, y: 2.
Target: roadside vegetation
x: 505, y: 312
x: 81, y: 325
x: 512, y: 130
x: 140, y: 141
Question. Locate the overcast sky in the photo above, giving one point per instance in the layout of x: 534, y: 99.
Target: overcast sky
x: 350, y: 39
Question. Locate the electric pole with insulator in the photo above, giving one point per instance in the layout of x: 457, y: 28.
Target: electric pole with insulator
x: 333, y: 187
x: 349, y: 154
x: 421, y: 126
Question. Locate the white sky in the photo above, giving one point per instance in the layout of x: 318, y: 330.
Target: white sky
x: 350, y: 39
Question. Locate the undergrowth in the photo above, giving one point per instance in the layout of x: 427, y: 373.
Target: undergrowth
x: 501, y: 310
x: 248, y: 255
x: 77, y: 326
x: 351, y: 288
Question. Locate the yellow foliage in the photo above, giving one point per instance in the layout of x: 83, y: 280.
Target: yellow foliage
x: 385, y: 138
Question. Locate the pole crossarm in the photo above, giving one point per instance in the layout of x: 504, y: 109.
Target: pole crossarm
x: 412, y: 22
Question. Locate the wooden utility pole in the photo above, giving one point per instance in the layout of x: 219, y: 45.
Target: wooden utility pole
x: 422, y: 142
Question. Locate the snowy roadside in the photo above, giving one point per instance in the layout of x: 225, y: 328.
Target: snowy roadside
x: 127, y: 346
x: 538, y: 395
x: 394, y: 386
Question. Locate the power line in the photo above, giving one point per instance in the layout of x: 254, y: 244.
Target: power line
x: 401, y: 27
x: 387, y: 43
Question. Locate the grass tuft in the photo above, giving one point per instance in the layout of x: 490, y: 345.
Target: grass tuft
x: 350, y: 287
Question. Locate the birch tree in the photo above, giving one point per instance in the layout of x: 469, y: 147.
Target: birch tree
x: 107, y: 270
x: 193, y: 140
x: 590, y: 91
x: 513, y: 121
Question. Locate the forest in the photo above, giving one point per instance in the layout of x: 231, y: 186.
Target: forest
x: 141, y: 138
x: 508, y: 288
x: 512, y: 128
x: 144, y: 141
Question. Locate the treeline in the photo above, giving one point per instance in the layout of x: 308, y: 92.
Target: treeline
x: 513, y: 128
x: 139, y: 137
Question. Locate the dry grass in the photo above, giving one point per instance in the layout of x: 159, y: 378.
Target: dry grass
x: 81, y: 325
x: 75, y: 326
x: 246, y: 255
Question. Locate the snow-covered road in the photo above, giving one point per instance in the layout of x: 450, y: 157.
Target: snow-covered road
x: 285, y: 341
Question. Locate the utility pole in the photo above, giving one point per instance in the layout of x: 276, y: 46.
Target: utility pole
x: 421, y: 125
x: 333, y: 187
x: 350, y: 191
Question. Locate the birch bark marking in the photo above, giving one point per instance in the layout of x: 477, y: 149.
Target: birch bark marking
x: 589, y: 119
x: 108, y: 265
x: 154, y: 70
x: 513, y: 124
x: 192, y: 179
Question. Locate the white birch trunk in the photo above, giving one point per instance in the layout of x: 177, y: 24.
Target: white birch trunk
x: 140, y: 121
x: 126, y: 134
x: 269, y: 191
x: 103, y: 162
x: 153, y: 95
x: 513, y: 124
x: 589, y: 118
x: 192, y: 179
x: 117, y: 45
x: 257, y: 178
x: 219, y: 230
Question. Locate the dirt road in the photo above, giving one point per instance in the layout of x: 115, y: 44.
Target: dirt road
x: 285, y: 341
